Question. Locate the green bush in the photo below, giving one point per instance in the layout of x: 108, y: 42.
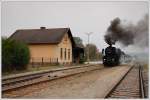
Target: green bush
x: 15, y: 55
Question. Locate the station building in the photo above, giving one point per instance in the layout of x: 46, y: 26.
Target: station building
x: 54, y: 45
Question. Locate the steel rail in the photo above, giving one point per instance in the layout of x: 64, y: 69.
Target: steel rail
x: 142, y: 90
x: 47, y: 71
x: 141, y: 83
x: 110, y: 92
x: 27, y: 79
x: 12, y: 79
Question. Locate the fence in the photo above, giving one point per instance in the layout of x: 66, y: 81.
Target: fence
x: 40, y: 61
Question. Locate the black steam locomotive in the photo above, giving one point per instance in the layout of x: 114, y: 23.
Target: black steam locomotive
x: 111, y: 56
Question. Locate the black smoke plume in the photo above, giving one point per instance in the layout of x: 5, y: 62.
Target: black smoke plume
x: 128, y: 34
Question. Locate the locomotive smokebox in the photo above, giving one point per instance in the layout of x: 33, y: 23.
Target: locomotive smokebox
x: 111, y: 56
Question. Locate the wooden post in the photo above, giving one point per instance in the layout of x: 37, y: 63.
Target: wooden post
x: 42, y: 60
x: 50, y: 60
x: 32, y: 62
x: 57, y: 60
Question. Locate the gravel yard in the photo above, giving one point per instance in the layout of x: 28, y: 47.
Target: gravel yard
x: 93, y: 84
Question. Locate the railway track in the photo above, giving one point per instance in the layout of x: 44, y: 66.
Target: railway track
x: 130, y: 86
x: 13, y: 83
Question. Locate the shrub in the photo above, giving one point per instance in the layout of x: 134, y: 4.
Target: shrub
x: 6, y: 55
x: 15, y: 55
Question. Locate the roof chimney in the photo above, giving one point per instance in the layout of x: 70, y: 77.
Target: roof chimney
x: 42, y: 27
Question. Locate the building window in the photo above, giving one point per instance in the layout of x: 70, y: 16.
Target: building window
x: 65, y: 53
x: 68, y: 54
x: 61, y: 53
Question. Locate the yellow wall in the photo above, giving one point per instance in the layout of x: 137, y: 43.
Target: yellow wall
x: 65, y: 43
x: 48, y: 51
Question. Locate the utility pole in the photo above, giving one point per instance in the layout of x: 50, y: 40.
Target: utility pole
x: 88, y: 51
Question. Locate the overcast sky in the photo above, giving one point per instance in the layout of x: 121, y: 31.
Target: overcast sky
x: 81, y: 17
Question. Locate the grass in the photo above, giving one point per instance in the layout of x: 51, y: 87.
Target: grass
x: 34, y: 69
x: 39, y: 68
x: 146, y: 66
x: 31, y: 69
x: 13, y: 72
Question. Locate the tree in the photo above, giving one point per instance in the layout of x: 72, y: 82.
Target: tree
x: 15, y: 55
x: 94, y: 53
x: 78, y: 40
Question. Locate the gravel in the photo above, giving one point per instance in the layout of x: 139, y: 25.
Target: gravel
x: 93, y: 84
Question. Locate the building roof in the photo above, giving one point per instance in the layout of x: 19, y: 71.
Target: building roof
x: 42, y: 35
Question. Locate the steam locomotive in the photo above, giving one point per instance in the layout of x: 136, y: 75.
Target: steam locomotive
x: 111, y: 56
